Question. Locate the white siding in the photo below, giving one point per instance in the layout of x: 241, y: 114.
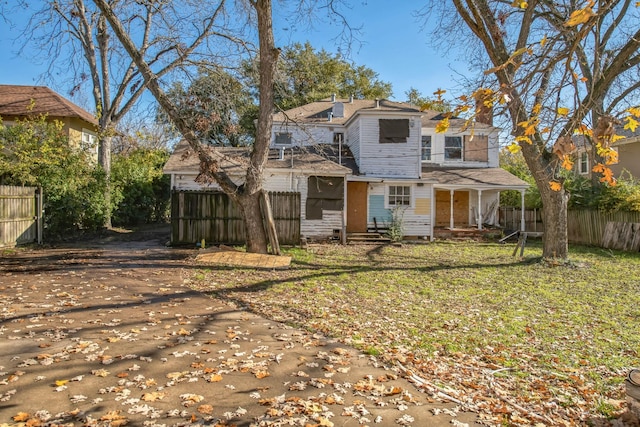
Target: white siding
x: 437, y: 150
x: 353, y: 140
x: 388, y: 160
x: 414, y: 224
x: 316, y: 228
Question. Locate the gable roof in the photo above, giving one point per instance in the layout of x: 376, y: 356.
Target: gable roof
x: 16, y: 101
x: 234, y: 160
x: 318, y: 112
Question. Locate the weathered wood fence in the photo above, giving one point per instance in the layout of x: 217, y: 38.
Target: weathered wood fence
x: 588, y: 227
x: 20, y: 215
x: 509, y: 218
x: 213, y: 216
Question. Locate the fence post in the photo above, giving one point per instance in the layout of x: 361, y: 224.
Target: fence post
x: 39, y: 215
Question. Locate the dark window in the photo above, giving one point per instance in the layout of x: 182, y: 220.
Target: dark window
x: 338, y: 137
x: 426, y: 147
x: 453, y: 148
x: 283, y: 138
x: 394, y: 131
x: 584, y: 163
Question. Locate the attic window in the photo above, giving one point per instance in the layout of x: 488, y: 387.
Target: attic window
x: 393, y: 131
x: 283, y: 138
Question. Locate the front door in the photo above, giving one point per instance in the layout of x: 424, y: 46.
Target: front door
x: 357, y: 207
x: 460, y: 208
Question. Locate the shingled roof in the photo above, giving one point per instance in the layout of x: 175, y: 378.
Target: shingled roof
x: 20, y: 101
x: 473, y: 178
x: 234, y: 161
x: 318, y: 112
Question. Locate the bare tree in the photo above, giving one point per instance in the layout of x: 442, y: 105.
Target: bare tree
x: 557, y: 69
x: 75, y: 37
x: 247, y: 194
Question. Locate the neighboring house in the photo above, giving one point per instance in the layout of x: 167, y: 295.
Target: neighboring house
x: 392, y: 160
x: 19, y: 102
x: 628, y: 149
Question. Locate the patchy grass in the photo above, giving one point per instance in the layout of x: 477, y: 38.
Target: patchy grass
x: 555, y: 339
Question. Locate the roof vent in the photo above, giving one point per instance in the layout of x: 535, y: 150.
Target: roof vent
x: 330, y: 116
x: 351, y: 99
x: 377, y: 102
x: 333, y: 97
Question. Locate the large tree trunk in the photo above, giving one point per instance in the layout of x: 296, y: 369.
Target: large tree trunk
x: 253, y: 225
x: 554, y: 218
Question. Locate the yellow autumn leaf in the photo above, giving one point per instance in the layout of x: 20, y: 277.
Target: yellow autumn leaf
x: 530, y: 130
x: 631, y: 124
x: 580, y: 16
x: 21, y: 416
x: 563, y: 111
x: 153, y: 396
x: 214, y: 378
x: 536, y: 109
x: 567, y: 163
x: 635, y: 111
x: 523, y: 139
x: 513, y: 148
x: 60, y: 383
x: 100, y: 372
x: 555, y: 186
x: 439, y: 92
x: 443, y: 126
x: 611, y: 158
x: 543, y: 41
x: 523, y: 5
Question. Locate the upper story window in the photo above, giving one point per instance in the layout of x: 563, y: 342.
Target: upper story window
x: 393, y: 130
x: 583, y: 166
x: 453, y: 148
x: 283, y: 138
x: 426, y: 148
x: 399, y: 195
x: 89, y: 140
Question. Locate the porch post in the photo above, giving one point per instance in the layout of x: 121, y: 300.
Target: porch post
x: 479, y: 209
x: 522, y: 210
x: 451, y: 209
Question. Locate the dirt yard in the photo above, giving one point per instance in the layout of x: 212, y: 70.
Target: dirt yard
x: 107, y: 332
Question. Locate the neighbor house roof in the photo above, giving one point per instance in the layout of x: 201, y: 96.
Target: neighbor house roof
x: 234, y: 160
x: 20, y: 101
x: 472, y: 177
x: 318, y: 112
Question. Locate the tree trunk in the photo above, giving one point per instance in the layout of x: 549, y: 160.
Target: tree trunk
x: 554, y: 218
x: 254, y: 228
x: 104, y: 160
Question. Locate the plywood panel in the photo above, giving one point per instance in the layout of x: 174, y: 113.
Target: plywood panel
x: 460, y: 208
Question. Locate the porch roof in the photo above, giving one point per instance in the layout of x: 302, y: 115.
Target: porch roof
x: 473, y: 178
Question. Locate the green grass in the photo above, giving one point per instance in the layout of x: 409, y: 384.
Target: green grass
x: 565, y: 333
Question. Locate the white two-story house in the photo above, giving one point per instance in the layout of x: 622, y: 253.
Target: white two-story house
x: 398, y: 163
x: 356, y: 163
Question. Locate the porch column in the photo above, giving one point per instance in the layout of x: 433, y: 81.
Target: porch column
x: 522, y: 210
x: 479, y: 209
x: 451, y: 209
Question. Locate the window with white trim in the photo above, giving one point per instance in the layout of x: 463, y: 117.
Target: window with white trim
x: 399, y: 195
x: 453, y: 148
x: 89, y: 141
x: 583, y: 167
x: 283, y: 138
x: 426, y: 148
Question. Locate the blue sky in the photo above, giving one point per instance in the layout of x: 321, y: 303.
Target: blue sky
x: 393, y: 45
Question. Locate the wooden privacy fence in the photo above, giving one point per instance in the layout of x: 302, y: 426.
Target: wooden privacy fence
x: 509, y: 218
x: 213, y: 216
x: 588, y: 226
x: 20, y: 215
x: 584, y: 226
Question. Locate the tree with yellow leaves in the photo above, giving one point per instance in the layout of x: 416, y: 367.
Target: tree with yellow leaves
x: 556, y: 69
